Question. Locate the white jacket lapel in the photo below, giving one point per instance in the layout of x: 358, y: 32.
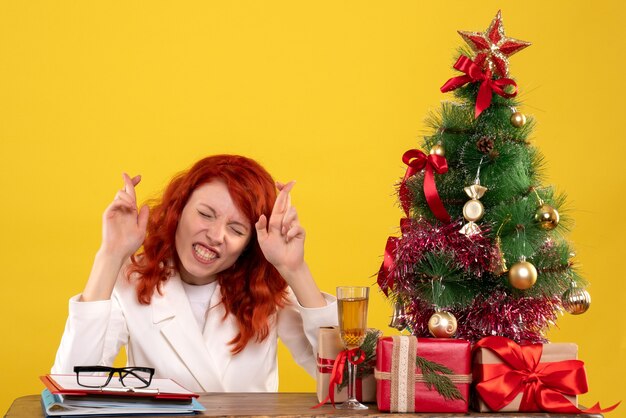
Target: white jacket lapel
x: 219, y: 331
x: 181, y: 331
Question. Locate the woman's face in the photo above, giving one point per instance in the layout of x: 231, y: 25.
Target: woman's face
x: 211, y: 234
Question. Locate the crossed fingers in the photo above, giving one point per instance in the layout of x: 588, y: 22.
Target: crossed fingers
x: 126, y: 198
x: 284, y: 216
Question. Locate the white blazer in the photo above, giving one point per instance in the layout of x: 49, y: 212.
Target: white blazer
x: 166, y: 336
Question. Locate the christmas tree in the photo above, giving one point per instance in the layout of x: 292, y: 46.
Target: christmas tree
x: 482, y: 250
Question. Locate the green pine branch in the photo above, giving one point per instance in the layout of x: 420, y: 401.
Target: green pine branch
x: 435, y: 377
x: 441, y: 281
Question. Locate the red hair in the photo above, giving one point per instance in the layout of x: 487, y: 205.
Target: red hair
x: 252, y: 289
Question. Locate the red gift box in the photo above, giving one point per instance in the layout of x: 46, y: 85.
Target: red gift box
x: 488, y: 365
x: 400, y: 386
x: 529, y: 378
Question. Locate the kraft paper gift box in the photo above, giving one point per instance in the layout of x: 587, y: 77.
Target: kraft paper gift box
x: 400, y: 386
x: 329, y: 347
x: 488, y: 365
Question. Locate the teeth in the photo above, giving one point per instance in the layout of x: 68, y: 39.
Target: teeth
x: 204, y: 253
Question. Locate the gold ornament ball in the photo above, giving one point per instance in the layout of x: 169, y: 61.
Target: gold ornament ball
x: 437, y: 149
x: 576, y: 300
x: 442, y: 325
x: 522, y: 275
x: 547, y: 216
x: 518, y: 119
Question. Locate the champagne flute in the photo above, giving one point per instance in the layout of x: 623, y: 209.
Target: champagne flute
x: 352, y: 307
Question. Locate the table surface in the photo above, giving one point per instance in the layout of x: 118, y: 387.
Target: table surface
x: 281, y: 405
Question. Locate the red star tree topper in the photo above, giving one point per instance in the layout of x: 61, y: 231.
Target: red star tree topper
x: 492, y: 47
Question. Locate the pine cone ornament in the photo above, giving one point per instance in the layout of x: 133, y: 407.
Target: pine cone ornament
x: 485, y: 144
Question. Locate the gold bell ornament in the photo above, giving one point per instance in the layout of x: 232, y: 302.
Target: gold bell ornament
x: 498, y: 263
x: 442, y: 324
x: 522, y: 275
x: 575, y: 300
x: 398, y: 318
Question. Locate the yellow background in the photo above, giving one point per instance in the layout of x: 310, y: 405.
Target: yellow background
x: 329, y: 93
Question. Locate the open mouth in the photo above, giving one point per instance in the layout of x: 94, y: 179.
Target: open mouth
x: 203, y: 253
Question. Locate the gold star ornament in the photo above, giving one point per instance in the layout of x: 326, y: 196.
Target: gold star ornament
x: 492, y: 47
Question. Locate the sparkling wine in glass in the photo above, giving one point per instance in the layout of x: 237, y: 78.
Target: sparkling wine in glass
x: 352, y: 307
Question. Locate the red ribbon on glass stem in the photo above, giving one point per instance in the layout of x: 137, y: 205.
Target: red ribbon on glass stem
x: 416, y: 161
x: 488, y: 86
x: 354, y: 356
x: 325, y: 366
x: 544, y: 385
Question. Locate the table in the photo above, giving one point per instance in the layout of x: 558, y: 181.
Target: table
x: 281, y: 405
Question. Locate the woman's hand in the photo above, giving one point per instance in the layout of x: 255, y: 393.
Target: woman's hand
x: 123, y: 232
x: 123, y: 226
x: 282, y: 240
x: 282, y: 243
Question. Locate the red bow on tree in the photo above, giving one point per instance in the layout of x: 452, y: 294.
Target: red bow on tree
x: 488, y: 86
x: 417, y: 161
x: 385, y: 273
x: 544, y: 385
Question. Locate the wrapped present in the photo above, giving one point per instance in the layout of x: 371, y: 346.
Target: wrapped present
x: 528, y: 378
x: 422, y: 374
x: 329, y: 349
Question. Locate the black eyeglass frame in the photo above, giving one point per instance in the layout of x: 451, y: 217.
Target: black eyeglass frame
x: 122, y: 372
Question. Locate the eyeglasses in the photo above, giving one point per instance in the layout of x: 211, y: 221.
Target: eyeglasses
x: 100, y: 376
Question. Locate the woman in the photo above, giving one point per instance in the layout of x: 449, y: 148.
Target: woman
x: 221, y: 276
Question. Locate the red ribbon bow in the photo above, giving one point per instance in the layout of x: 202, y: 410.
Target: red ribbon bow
x: 543, y: 384
x: 354, y: 356
x: 488, y: 86
x: 385, y: 273
x: 416, y: 161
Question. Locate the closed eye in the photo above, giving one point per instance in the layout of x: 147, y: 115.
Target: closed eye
x: 206, y: 214
x: 237, y: 231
